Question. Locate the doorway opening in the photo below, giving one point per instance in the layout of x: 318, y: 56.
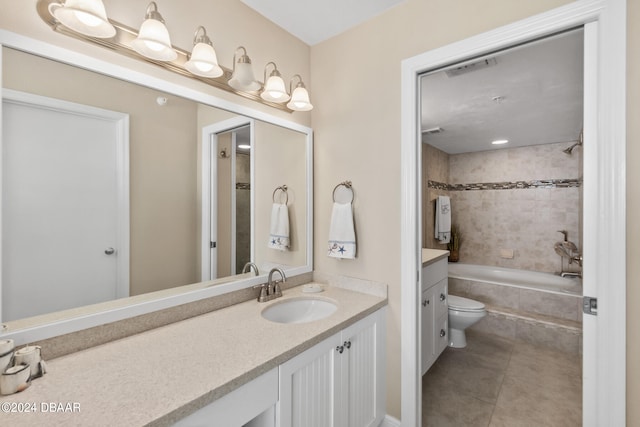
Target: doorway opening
x: 604, y: 196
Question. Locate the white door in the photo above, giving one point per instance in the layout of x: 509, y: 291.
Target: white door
x: 61, y: 202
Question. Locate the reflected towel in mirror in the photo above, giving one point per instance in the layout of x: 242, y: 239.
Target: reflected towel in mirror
x: 443, y: 219
x: 279, y: 231
x: 342, y: 236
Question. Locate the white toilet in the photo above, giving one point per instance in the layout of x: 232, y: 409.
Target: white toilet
x: 463, y: 312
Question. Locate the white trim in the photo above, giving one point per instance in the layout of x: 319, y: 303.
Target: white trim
x: 209, y: 201
x: 150, y: 303
x: 607, y: 222
x: 121, y: 122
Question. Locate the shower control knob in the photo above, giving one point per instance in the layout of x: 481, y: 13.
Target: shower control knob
x: 340, y: 349
x: 109, y: 251
x: 443, y: 332
x: 443, y: 297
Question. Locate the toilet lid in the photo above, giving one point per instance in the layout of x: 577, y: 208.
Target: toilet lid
x: 464, y: 304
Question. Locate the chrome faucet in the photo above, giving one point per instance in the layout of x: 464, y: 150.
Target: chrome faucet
x: 250, y: 266
x: 271, y: 289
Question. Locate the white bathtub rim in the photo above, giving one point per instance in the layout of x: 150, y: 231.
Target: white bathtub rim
x: 574, y: 283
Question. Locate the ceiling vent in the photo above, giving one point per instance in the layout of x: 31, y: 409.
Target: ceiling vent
x: 471, y: 67
x: 432, y: 131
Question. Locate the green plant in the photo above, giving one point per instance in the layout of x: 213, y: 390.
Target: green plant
x: 456, y: 238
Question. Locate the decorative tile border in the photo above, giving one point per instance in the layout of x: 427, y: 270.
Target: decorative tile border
x: 517, y: 185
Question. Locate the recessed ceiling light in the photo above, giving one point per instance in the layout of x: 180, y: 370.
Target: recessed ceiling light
x: 499, y: 141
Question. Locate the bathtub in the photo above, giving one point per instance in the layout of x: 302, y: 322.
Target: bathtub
x: 533, y: 280
x: 540, y: 308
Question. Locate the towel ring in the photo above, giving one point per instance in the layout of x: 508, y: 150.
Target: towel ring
x: 347, y: 185
x: 283, y: 189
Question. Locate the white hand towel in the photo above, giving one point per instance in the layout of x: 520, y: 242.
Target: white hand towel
x: 443, y: 219
x: 279, y: 231
x: 342, y: 236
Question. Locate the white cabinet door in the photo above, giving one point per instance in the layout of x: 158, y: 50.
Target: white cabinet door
x: 363, y: 365
x: 434, y: 313
x: 339, y: 382
x: 310, y: 387
x: 427, y: 329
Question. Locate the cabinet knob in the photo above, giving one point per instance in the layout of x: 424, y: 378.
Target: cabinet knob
x: 443, y: 297
x: 425, y: 302
x: 340, y: 349
x: 443, y: 332
x: 347, y: 344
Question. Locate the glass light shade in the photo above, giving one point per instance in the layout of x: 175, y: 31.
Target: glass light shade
x: 275, y: 90
x: 300, y: 99
x: 87, y: 17
x: 203, y: 61
x: 243, y: 78
x: 153, y: 41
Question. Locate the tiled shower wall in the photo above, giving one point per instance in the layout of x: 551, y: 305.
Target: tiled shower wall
x: 539, y: 193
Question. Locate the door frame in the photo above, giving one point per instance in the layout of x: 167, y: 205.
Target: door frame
x: 604, y: 341
x: 209, y: 144
x: 121, y: 121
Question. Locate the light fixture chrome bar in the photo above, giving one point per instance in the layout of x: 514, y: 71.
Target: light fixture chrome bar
x: 121, y: 43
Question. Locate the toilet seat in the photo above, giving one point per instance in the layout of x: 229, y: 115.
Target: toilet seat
x: 465, y: 304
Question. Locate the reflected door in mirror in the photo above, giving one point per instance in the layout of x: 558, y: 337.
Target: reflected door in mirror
x: 60, y: 207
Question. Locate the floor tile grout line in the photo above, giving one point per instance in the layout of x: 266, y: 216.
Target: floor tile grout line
x: 504, y: 376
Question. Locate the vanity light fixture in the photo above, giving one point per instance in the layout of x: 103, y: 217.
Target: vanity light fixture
x: 299, y: 96
x: 203, y: 61
x: 87, y: 17
x: 87, y: 20
x: 499, y: 141
x: 274, y: 88
x: 153, y: 39
x: 242, y: 77
x: 244, y: 146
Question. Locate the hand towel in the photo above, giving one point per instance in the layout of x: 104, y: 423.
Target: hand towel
x: 443, y: 219
x: 279, y: 231
x: 342, y: 236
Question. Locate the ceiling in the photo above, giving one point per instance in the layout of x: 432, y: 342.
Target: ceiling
x: 314, y: 21
x: 529, y: 95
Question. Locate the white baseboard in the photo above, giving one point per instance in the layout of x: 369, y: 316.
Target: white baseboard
x: 389, y: 421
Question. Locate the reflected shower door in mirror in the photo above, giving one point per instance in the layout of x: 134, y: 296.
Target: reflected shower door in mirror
x: 167, y: 191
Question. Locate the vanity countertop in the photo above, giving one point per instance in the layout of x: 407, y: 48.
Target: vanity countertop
x: 429, y: 256
x: 159, y: 376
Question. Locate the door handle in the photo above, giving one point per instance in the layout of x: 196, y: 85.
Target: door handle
x: 109, y: 251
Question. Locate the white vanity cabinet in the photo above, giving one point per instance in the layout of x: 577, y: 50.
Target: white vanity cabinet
x: 339, y: 382
x: 434, y: 312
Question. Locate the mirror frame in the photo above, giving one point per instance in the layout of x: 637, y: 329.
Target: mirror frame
x: 59, y: 323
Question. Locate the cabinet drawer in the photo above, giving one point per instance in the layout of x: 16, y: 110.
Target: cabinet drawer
x: 433, y: 273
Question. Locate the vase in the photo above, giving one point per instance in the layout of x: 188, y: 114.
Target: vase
x: 454, y: 255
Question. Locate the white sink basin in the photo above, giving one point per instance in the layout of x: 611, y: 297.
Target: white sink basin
x: 299, y: 310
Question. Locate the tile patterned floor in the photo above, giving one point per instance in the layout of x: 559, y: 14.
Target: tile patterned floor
x: 497, y: 382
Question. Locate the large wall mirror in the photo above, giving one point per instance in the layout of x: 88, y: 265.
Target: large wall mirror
x: 113, y: 190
